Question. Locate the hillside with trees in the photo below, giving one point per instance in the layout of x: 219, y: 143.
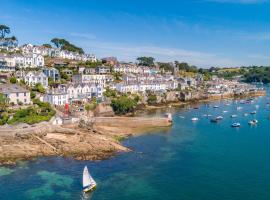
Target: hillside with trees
x: 66, y: 45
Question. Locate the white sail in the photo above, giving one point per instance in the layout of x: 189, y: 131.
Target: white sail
x: 87, y: 178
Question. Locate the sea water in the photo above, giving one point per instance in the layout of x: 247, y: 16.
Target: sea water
x: 190, y: 160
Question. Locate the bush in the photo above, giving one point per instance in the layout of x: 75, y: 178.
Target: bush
x: 39, y: 88
x: 152, y: 99
x: 4, y: 118
x: 32, y: 95
x: 32, y: 115
x: 123, y: 105
x: 12, y: 80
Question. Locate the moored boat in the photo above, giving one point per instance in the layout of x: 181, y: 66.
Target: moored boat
x: 89, y: 184
x: 194, y: 119
x: 233, y: 116
x: 253, y: 122
x: 215, y: 120
x: 253, y: 112
x: 219, y: 117
x: 235, y: 125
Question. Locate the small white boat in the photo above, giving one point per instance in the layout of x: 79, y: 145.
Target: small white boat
x: 216, y: 106
x: 194, y: 119
x: 253, y: 122
x: 225, y: 111
x: 182, y: 117
x: 233, y: 116
x: 236, y: 125
x: 89, y: 184
x: 253, y: 112
x: 239, y: 108
x: 245, y: 114
x: 219, y: 118
x: 257, y: 106
x: 227, y: 104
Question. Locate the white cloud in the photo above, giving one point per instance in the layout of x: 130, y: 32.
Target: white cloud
x: 130, y: 52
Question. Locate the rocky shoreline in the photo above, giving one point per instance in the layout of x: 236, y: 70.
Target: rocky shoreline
x: 83, y: 141
x: 203, y: 99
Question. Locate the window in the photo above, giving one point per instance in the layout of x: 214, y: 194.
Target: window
x: 25, y: 94
x: 17, y: 94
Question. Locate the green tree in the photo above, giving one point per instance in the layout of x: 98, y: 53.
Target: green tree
x: 4, y: 30
x: 47, y: 45
x: 32, y: 94
x: 57, y: 42
x: 39, y: 88
x: 13, y: 80
x: 65, y: 45
x: 152, y: 99
x: 3, y: 102
x: 146, y: 61
x: 123, y: 105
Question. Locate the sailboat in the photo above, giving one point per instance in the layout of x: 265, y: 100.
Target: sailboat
x: 89, y: 184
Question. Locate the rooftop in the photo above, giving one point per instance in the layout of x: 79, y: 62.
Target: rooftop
x: 11, y: 88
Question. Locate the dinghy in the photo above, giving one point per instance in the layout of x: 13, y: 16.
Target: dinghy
x: 194, y: 119
x: 253, y: 112
x: 236, y: 125
x: 89, y: 184
x: 233, y: 116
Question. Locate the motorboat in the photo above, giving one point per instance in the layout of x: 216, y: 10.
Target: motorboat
x: 253, y: 122
x: 233, y: 116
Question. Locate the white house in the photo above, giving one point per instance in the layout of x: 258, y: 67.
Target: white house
x: 15, y: 93
x: 56, y: 97
x: 32, y: 78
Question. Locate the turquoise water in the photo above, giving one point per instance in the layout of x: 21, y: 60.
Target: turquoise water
x: 190, y: 161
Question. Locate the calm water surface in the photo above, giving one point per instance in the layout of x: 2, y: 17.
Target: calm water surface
x: 190, y: 161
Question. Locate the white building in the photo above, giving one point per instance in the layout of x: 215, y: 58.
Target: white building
x: 23, y: 61
x: 83, y: 91
x: 97, y: 79
x: 32, y: 78
x: 55, y: 97
x: 15, y: 94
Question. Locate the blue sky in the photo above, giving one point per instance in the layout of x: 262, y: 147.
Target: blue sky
x: 202, y: 32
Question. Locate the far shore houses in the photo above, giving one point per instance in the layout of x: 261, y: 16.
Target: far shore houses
x: 58, y: 53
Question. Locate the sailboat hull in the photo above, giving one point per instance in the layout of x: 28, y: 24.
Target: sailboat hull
x: 89, y: 189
